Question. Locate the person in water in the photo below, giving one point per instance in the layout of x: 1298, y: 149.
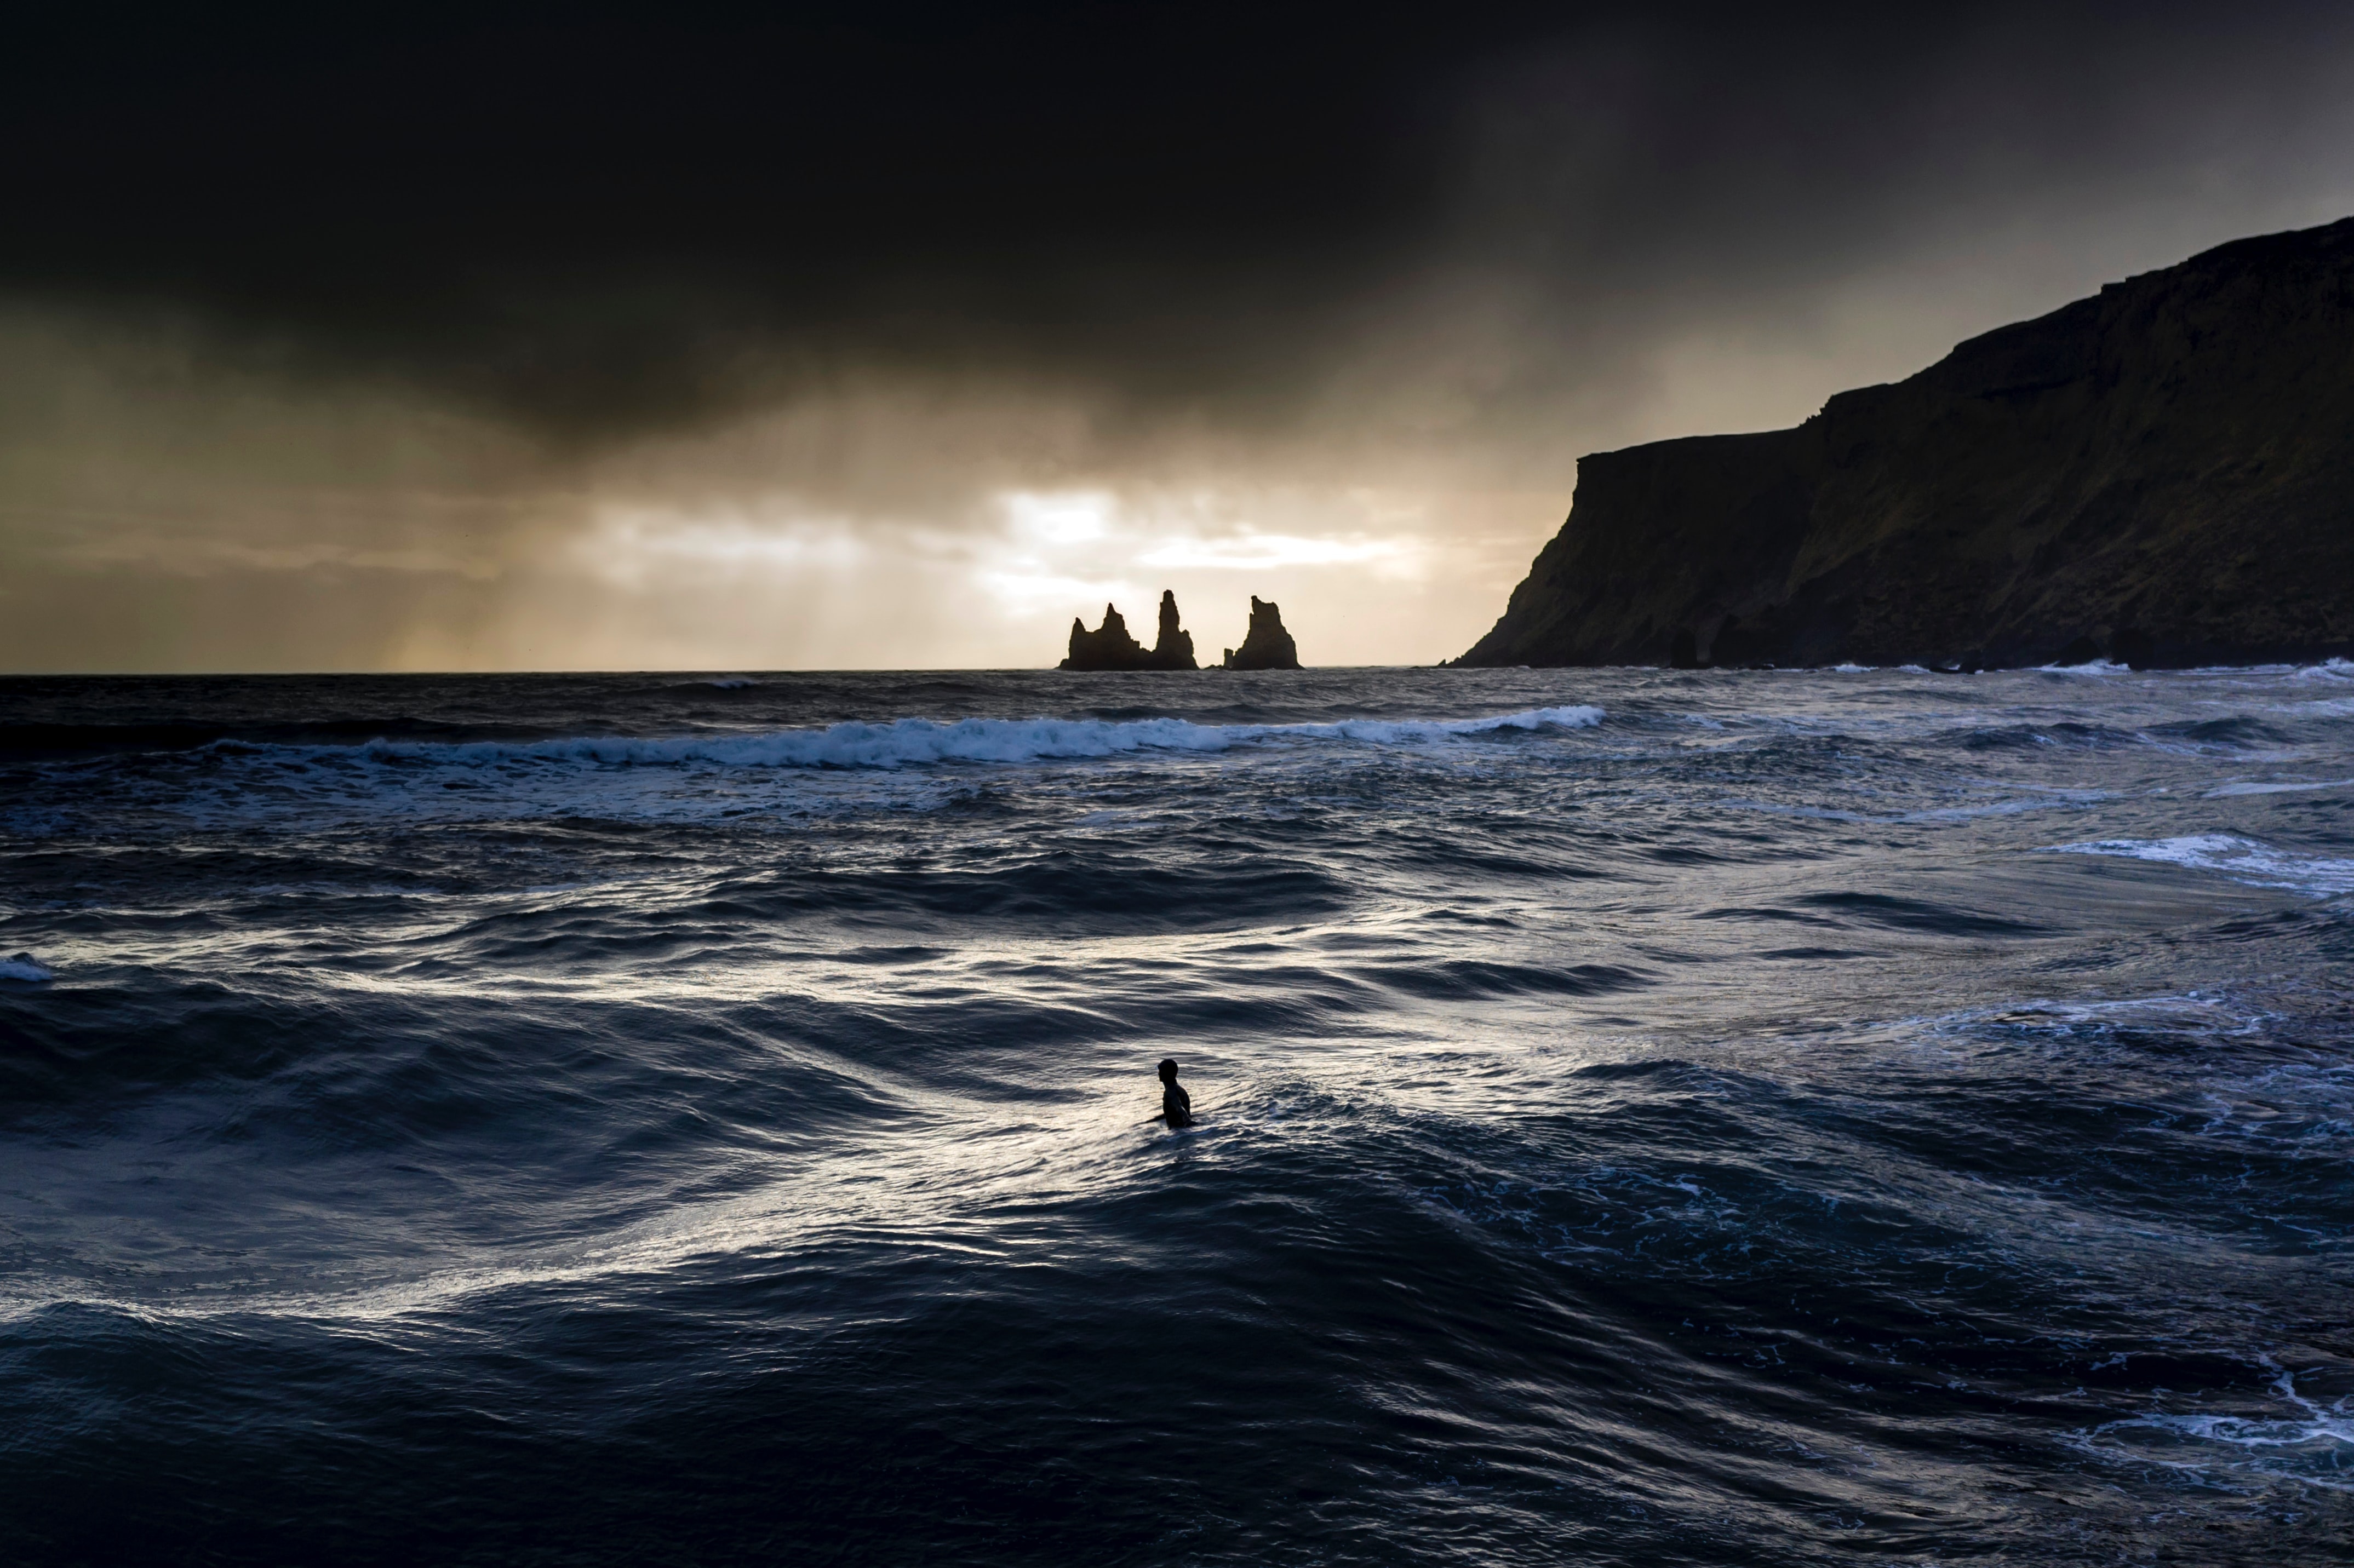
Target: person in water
x: 1176, y: 1105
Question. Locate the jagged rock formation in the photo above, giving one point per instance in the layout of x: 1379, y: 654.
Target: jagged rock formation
x: 1174, y: 648
x: 1112, y: 647
x: 2163, y: 473
x: 1267, y: 645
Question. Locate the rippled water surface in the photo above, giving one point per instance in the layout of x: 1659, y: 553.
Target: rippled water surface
x: 1647, y: 1117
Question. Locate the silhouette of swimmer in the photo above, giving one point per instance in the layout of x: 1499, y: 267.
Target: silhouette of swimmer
x: 1176, y: 1105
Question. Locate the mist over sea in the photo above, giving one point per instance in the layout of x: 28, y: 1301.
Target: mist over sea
x: 1648, y: 1117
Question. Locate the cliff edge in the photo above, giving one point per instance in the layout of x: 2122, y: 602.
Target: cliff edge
x: 2163, y: 472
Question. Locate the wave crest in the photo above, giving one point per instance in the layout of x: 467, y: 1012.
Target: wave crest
x: 2240, y: 859
x: 916, y: 741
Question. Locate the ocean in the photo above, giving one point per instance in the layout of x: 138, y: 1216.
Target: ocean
x: 1865, y: 1116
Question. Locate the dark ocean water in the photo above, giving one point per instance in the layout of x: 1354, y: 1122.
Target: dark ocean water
x: 1648, y: 1119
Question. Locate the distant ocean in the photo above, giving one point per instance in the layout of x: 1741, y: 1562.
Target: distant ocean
x: 1647, y: 1117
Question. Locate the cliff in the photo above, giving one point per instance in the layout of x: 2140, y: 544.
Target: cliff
x: 1110, y: 647
x: 2164, y: 472
x: 1266, y: 645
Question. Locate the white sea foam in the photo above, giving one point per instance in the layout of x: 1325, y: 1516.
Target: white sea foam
x: 2284, y: 788
x: 2308, y: 1446
x: 22, y: 967
x: 916, y: 741
x: 2242, y: 860
x: 2090, y: 667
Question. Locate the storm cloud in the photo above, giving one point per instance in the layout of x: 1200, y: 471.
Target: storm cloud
x: 541, y: 337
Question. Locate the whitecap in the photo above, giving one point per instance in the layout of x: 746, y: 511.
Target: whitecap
x: 2285, y: 788
x: 915, y: 741
x: 2307, y: 1443
x: 2089, y: 667
x: 2243, y: 859
x: 24, y: 967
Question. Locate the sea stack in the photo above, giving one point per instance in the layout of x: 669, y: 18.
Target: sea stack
x: 1174, y: 648
x: 1267, y: 645
x: 2162, y: 474
x: 1110, y: 647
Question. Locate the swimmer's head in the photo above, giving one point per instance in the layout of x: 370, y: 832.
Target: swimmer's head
x: 1168, y: 1069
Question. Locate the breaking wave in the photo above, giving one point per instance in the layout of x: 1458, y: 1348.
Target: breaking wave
x: 2242, y: 860
x: 915, y: 741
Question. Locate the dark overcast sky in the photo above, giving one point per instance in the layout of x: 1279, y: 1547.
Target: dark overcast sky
x: 365, y: 335
x: 562, y: 202
x: 587, y: 212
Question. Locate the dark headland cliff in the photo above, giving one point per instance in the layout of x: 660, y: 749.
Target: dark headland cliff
x: 2162, y: 474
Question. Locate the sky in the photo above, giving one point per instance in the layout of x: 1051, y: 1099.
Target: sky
x: 580, y: 336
